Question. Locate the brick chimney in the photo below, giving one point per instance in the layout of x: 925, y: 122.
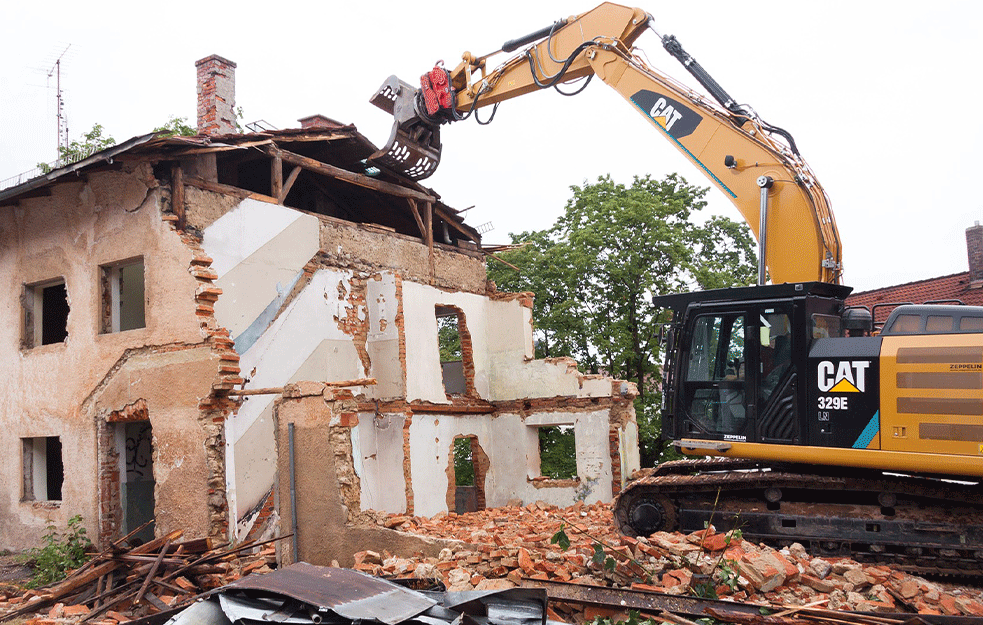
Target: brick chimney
x: 974, y: 248
x: 216, y: 95
x: 318, y: 121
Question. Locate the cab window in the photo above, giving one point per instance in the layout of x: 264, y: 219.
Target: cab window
x: 715, y: 374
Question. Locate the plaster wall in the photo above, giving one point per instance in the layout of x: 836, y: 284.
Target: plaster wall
x: 324, y: 531
x: 100, y: 219
x: 377, y: 450
x: 512, y: 446
x: 501, y: 335
x: 304, y: 342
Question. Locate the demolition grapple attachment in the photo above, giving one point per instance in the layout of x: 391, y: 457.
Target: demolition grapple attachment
x: 413, y: 149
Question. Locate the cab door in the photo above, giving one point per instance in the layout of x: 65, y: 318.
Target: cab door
x: 714, y: 385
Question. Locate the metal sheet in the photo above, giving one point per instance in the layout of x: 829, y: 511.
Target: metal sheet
x: 348, y: 593
x: 200, y: 613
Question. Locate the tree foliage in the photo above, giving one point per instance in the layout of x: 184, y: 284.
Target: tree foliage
x: 177, y: 126
x: 595, y: 271
x: 90, y: 143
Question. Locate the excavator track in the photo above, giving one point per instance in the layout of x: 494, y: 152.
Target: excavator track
x: 921, y: 525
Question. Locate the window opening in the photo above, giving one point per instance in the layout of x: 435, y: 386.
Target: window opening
x: 469, y: 464
x: 451, y: 353
x: 45, y: 313
x: 463, y: 465
x: 44, y: 471
x: 557, y: 452
x: 123, y: 296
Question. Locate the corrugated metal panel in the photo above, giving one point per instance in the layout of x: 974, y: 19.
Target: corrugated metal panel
x: 347, y: 593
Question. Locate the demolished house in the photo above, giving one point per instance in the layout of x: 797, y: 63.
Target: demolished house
x: 213, y: 332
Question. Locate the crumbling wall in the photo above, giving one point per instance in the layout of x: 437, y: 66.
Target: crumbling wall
x: 66, y: 389
x: 308, y: 298
x: 312, y: 298
x: 328, y: 525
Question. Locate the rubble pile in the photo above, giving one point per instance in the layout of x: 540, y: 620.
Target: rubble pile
x: 504, y: 545
x: 121, y: 584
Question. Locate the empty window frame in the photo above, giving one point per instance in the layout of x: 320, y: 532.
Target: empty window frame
x: 46, y: 310
x: 123, y: 298
x: 557, y: 452
x: 43, y: 468
x: 450, y: 346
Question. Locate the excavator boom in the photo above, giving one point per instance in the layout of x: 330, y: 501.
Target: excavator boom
x: 754, y: 164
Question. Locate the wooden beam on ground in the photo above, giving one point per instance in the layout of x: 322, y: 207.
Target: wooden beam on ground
x: 360, y: 180
x: 291, y: 179
x: 152, y: 573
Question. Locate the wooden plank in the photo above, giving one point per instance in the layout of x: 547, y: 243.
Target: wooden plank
x: 452, y: 409
x: 503, y: 262
x: 278, y: 390
x: 226, y: 189
x: 153, y: 571
x: 291, y: 179
x: 467, y: 231
x: 351, y: 177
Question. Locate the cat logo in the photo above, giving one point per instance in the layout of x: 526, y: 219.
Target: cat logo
x: 673, y: 116
x: 847, y: 376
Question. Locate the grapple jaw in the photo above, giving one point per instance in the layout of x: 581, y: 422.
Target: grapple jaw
x: 413, y: 149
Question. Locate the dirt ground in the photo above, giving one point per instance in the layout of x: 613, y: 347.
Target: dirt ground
x: 13, y: 571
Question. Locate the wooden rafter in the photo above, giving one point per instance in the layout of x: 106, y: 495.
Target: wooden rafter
x: 288, y: 184
x: 416, y: 216
x: 343, y: 174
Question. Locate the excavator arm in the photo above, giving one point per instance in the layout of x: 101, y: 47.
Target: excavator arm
x: 756, y: 165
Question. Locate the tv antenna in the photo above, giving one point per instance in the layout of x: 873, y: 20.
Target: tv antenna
x: 60, y: 103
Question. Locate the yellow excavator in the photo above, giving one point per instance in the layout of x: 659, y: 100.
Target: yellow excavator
x: 816, y: 427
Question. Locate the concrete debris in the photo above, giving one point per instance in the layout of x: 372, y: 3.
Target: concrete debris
x: 509, y: 547
x: 514, y: 542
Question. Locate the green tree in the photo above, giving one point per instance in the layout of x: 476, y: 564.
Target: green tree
x: 595, y: 272
x: 177, y: 126
x: 90, y: 143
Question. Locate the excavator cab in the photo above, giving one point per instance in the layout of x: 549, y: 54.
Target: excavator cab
x: 736, y: 359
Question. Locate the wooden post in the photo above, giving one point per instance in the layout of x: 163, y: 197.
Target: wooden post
x: 428, y: 218
x: 177, y: 194
x: 276, y: 183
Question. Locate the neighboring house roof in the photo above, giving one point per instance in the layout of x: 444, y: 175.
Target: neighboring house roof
x: 332, y: 160
x: 944, y: 289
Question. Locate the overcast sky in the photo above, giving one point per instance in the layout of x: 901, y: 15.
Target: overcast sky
x: 882, y: 98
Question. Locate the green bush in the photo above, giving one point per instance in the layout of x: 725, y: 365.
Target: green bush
x: 59, y: 553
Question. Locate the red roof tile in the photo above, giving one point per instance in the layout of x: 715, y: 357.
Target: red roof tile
x: 943, y: 289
